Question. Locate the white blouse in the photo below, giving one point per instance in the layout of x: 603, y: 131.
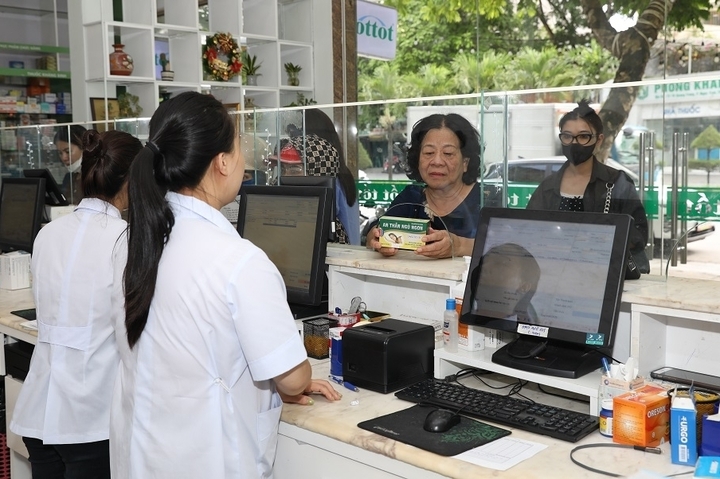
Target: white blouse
x: 67, y: 393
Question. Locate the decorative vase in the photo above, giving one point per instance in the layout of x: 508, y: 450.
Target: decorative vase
x: 120, y: 62
x: 252, y: 80
x: 293, y: 79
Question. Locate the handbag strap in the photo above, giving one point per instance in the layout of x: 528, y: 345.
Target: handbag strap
x: 608, y: 196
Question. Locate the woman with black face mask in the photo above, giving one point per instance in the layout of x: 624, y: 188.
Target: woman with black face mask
x: 583, y: 183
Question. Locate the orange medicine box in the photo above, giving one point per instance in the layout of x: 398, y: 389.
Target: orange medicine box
x: 642, y: 417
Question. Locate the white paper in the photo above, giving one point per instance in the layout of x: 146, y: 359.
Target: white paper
x: 29, y: 324
x: 502, y: 454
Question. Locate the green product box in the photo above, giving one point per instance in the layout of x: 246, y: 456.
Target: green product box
x: 402, y: 233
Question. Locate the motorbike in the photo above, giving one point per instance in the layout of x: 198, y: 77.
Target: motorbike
x: 398, y: 161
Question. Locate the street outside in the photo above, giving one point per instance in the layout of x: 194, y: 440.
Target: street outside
x: 703, y: 256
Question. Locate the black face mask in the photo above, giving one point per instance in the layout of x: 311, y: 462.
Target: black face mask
x: 577, y: 153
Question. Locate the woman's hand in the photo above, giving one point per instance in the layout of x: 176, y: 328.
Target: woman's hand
x: 316, y: 386
x: 442, y: 244
x: 373, y: 242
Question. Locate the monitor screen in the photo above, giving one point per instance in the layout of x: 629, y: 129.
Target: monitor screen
x: 326, y: 181
x: 22, y: 204
x: 553, y: 277
x: 290, y: 224
x: 53, y: 194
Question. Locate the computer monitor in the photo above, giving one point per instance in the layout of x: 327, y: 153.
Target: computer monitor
x: 325, y: 181
x: 290, y: 224
x: 53, y: 194
x: 553, y: 277
x: 22, y: 204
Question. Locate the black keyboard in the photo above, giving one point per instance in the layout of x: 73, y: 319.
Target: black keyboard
x: 550, y: 421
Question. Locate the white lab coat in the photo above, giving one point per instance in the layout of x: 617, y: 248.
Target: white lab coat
x: 195, y: 397
x: 66, y: 396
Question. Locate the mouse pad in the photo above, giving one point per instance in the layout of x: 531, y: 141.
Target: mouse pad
x: 407, y: 426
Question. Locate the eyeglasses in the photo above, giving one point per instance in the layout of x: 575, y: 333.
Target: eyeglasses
x: 582, y: 138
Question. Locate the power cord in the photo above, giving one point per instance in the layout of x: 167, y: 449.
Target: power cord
x: 652, y: 450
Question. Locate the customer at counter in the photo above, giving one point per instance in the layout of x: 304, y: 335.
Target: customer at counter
x: 444, y: 155
x: 68, y: 141
x: 63, y: 411
x: 583, y: 183
x: 208, y: 339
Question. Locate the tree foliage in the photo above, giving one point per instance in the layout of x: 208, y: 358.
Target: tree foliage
x: 562, y: 21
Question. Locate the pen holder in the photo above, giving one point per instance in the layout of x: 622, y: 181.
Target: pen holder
x: 611, y: 387
x: 316, y: 336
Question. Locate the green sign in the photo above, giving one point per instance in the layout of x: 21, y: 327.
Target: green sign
x: 699, y: 203
x: 379, y: 192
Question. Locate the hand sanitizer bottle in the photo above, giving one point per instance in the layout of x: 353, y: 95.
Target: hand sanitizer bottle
x: 450, y: 326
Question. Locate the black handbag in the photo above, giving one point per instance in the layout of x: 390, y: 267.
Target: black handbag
x: 637, y: 262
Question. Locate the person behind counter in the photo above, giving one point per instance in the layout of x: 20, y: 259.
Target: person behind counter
x: 583, y: 183
x: 63, y: 412
x: 208, y: 339
x: 68, y: 141
x: 319, y: 147
x: 444, y: 154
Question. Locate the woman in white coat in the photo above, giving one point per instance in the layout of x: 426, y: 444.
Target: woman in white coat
x: 210, y: 340
x: 63, y: 412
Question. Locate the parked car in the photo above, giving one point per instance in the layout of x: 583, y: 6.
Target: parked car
x: 534, y: 170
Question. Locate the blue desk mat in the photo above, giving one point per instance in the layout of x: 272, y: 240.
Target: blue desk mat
x: 406, y: 426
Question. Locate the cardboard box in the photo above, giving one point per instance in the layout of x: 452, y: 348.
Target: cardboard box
x: 683, y: 430
x: 402, y: 233
x: 642, y: 417
x: 15, y: 270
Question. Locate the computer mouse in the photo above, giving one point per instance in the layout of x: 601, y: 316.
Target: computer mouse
x: 440, y: 420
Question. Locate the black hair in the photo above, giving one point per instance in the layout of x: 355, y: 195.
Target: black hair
x: 318, y: 123
x: 106, y: 161
x: 466, y: 133
x: 72, y: 134
x: 185, y: 133
x: 583, y: 112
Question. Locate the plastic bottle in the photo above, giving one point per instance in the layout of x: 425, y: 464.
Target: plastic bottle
x: 450, y: 326
x: 606, y: 417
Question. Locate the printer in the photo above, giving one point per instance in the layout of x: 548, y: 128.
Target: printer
x: 388, y: 355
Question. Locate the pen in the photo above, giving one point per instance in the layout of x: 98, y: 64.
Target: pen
x: 335, y: 379
x: 351, y: 387
x: 338, y: 310
x: 606, y: 365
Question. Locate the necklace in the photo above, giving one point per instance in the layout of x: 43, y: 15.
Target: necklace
x: 430, y: 212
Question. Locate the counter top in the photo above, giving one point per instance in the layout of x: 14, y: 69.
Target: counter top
x: 339, y: 421
x: 688, y: 294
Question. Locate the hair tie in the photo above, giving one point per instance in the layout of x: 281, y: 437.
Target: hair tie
x: 154, y: 148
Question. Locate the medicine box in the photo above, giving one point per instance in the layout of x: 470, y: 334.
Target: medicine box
x: 611, y: 387
x: 642, y: 417
x: 470, y: 338
x: 683, y: 433
x: 14, y: 270
x: 402, y: 233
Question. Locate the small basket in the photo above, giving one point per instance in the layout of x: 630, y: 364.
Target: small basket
x: 316, y: 336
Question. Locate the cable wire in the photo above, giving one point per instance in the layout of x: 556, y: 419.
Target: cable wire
x: 652, y: 450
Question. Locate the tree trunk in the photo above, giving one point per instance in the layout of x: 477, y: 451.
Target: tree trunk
x: 632, y: 48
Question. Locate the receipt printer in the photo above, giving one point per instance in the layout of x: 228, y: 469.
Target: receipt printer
x: 388, y: 355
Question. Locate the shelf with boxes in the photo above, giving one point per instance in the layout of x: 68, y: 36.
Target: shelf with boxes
x: 166, y: 40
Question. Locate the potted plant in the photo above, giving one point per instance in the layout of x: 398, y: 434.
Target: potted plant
x: 250, y: 68
x: 166, y: 74
x: 293, y: 71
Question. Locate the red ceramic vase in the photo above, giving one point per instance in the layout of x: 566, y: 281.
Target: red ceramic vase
x: 120, y: 62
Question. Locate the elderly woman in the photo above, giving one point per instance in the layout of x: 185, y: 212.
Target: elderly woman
x: 444, y: 155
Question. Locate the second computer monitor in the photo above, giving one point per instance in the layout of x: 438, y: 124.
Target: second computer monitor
x: 53, y: 194
x: 22, y: 204
x: 290, y: 224
x: 325, y: 181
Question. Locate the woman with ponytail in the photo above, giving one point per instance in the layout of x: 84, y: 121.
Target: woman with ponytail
x: 63, y: 412
x: 211, y: 345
